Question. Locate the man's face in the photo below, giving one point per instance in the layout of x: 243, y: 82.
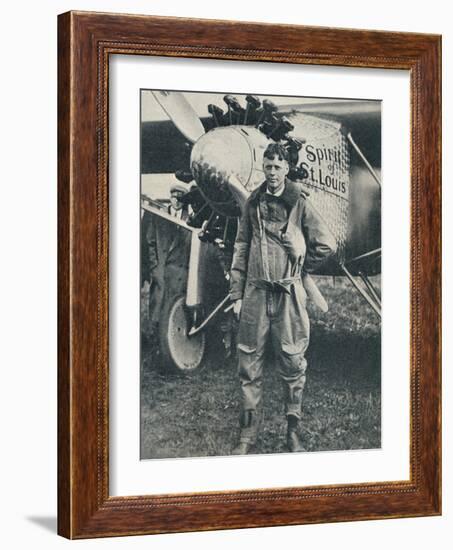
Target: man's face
x: 174, y: 199
x: 275, y: 171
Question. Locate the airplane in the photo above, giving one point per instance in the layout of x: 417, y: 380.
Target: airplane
x: 219, y: 157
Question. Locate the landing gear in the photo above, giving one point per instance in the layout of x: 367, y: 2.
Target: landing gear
x: 180, y: 352
x: 367, y: 291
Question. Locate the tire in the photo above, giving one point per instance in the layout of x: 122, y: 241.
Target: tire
x: 179, y: 352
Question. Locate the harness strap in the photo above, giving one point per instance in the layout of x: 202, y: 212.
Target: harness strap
x: 281, y: 285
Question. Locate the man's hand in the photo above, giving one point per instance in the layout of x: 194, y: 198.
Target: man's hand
x: 237, y: 306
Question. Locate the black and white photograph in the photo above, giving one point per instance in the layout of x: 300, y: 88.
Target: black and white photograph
x: 227, y: 275
x: 260, y: 266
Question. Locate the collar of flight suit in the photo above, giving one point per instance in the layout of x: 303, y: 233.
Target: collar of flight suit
x: 290, y: 195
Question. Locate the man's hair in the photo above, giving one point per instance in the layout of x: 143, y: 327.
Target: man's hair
x: 276, y: 150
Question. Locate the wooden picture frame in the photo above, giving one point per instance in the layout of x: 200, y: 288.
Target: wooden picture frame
x: 85, y: 41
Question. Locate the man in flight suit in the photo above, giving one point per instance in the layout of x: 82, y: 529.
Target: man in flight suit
x: 280, y: 237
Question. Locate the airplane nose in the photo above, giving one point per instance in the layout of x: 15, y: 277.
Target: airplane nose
x: 223, y: 154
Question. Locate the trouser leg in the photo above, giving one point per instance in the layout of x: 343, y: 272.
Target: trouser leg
x: 251, y: 362
x: 292, y: 372
x: 253, y: 334
x: 290, y: 337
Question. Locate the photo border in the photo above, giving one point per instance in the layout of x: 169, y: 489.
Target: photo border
x: 86, y: 40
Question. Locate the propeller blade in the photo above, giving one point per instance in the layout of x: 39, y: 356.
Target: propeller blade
x: 314, y: 293
x: 181, y: 113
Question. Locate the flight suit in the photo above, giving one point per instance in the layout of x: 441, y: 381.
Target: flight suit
x: 279, y: 237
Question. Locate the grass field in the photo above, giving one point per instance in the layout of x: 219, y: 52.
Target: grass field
x: 198, y: 415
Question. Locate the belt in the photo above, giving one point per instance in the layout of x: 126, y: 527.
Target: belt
x: 281, y: 285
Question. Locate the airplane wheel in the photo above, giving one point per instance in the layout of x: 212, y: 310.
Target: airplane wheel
x: 179, y: 352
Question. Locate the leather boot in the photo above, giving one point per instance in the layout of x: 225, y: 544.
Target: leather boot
x: 248, y: 433
x: 293, y: 440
